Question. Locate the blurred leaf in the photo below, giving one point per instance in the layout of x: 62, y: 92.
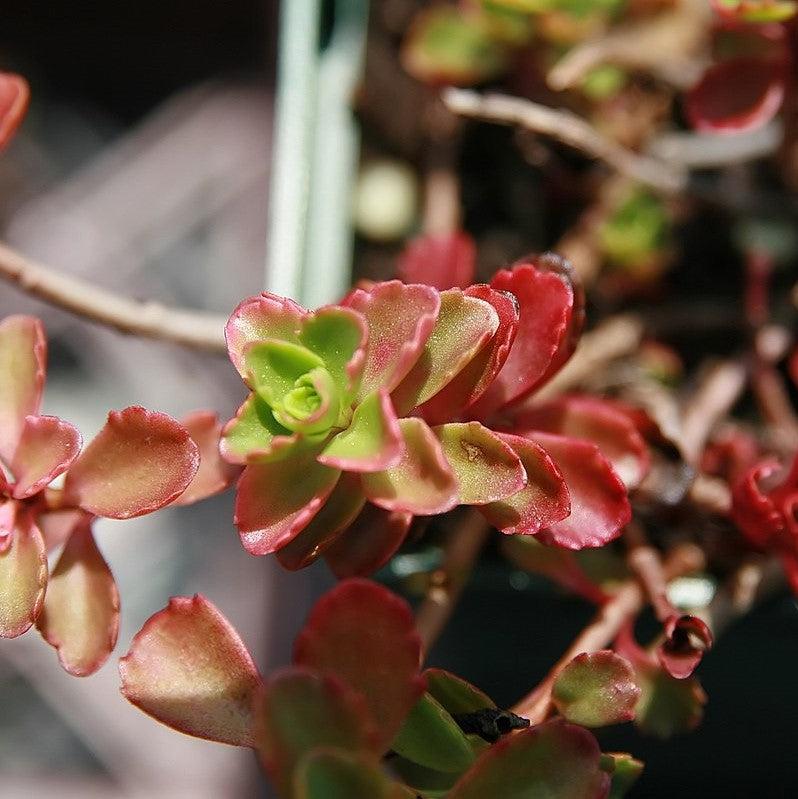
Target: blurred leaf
x: 667, y: 706
x: 625, y: 771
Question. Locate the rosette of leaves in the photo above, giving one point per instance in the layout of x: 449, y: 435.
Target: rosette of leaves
x: 139, y: 462
x: 354, y: 716
x: 392, y: 398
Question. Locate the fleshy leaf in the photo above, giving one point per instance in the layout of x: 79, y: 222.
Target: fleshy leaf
x: 80, y: 617
x: 274, y: 365
x: 299, y: 711
x: 327, y: 773
x: 599, y: 505
x: 46, y: 448
x: 139, y: 462
x: 365, y: 635
x: 624, y: 770
x: 422, y: 482
x: 23, y: 572
x: 737, y: 94
x: 214, y: 474
x: 544, y: 499
x: 753, y: 511
x: 455, y: 694
x: 23, y: 356
x: 596, y: 420
x: 686, y: 640
x: 547, y: 302
x: 756, y: 11
x: 443, y: 261
x: 431, y: 738
x: 475, y: 378
x: 596, y: 689
x: 486, y: 467
x: 57, y: 525
x: 464, y: 326
x: 336, y: 515
x: 554, y: 759
x: 667, y: 706
x: 266, y: 316
x: 14, y: 98
x: 253, y: 435
x: 373, y: 440
x: 368, y: 543
x: 400, y: 319
x: 189, y: 669
x: 276, y: 501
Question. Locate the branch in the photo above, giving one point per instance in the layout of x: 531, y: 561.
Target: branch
x: 447, y: 583
x: 193, y: 329
x: 625, y: 603
x: 569, y: 129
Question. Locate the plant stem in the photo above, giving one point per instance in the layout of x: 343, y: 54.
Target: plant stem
x: 624, y: 604
x: 193, y: 329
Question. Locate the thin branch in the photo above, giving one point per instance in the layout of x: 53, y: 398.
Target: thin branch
x: 447, y: 583
x: 624, y: 605
x: 646, y: 563
x: 193, y: 329
x: 569, y: 129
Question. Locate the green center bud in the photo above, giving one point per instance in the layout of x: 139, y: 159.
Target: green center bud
x: 311, y: 406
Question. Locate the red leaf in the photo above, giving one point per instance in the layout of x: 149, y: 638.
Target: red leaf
x: 687, y: 638
x: 443, y: 261
x: 14, y: 98
x: 365, y: 635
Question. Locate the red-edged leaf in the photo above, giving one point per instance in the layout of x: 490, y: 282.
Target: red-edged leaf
x: 80, y: 617
x: 599, y: 505
x: 276, y: 501
x: 548, y: 328
x: 368, y: 543
x: 544, y: 499
x: 554, y: 759
x: 365, y: 635
x: 686, y: 640
x: 455, y: 694
x: 422, y: 482
x: 14, y: 98
x: 596, y: 689
x: 57, y: 525
x: 400, y: 319
x: 486, y: 467
x: 299, y: 711
x: 444, y: 261
x: 737, y: 94
x: 475, y: 378
x: 214, y: 473
x: 23, y: 357
x: 756, y: 11
x: 139, y: 462
x: 188, y: 668
x: 597, y: 420
x: 335, y: 516
x: 23, y: 571
x: 464, y: 327
x: 46, y: 449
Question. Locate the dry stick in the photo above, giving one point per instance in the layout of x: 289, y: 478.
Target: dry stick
x: 624, y: 605
x: 569, y: 129
x: 194, y: 329
x: 447, y: 583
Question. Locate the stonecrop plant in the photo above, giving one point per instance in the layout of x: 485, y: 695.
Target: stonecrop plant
x: 444, y: 410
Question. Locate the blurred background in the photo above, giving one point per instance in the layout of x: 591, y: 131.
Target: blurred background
x: 146, y: 165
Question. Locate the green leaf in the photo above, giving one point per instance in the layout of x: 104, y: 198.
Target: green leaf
x: 668, y: 706
x: 255, y: 436
x: 596, y: 689
x: 455, y: 694
x: 424, y: 781
x: 337, y: 774
x: 274, y: 366
x: 623, y: 769
x: 431, y: 738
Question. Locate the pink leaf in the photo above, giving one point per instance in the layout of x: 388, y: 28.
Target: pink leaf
x: 599, y: 505
x: 443, y: 261
x: 214, y: 474
x: 686, y: 640
x: 737, y: 94
x: 422, y: 482
x: 46, y: 449
x: 80, y: 617
x: 400, y: 319
x: 14, y: 98
x: 139, y: 462
x: 596, y: 420
x: 23, y: 571
x: 189, y: 669
x: 363, y: 634
x: 276, y: 501
x: 368, y: 543
x: 544, y: 499
x: 23, y: 357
